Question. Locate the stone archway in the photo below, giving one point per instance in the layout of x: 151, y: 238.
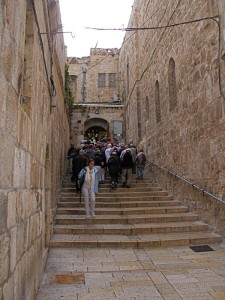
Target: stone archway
x: 96, y: 127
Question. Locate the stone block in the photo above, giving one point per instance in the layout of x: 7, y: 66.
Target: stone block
x: 7, y: 53
x: 13, y: 248
x: 8, y: 289
x: 4, y: 257
x: 18, y: 281
x: 3, y: 211
x: 11, y: 213
x: 7, y: 159
x: 19, y: 173
x: 4, y: 90
x: 11, y: 115
x: 20, y: 206
x: 21, y: 240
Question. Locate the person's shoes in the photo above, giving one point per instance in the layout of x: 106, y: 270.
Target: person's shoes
x: 124, y: 185
x: 88, y: 216
x: 93, y: 215
x: 103, y: 182
x: 127, y: 186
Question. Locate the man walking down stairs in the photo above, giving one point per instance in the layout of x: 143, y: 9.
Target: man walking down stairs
x: 145, y: 234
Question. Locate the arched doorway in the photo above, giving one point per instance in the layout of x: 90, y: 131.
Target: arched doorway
x: 96, y: 128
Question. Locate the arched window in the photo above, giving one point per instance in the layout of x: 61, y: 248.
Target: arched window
x: 172, y: 84
x: 157, y: 103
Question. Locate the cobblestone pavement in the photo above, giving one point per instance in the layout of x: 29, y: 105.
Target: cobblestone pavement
x: 165, y: 273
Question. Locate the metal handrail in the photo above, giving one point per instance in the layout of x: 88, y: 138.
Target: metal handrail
x: 205, y: 193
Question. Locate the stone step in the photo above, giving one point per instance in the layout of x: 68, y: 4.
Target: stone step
x: 108, y: 185
x: 131, y: 229
x: 123, y: 204
x: 76, y: 198
x: 103, y: 189
x: 126, y: 219
x: 108, y: 181
x: 125, y: 211
x: 134, y: 241
x: 120, y: 194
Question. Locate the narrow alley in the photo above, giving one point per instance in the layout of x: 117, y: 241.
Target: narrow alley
x: 112, y: 149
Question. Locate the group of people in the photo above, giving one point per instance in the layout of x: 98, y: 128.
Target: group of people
x: 91, y: 162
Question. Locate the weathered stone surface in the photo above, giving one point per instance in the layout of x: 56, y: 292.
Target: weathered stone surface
x: 34, y: 139
x: 188, y: 139
x: 173, y: 274
x: 3, y: 211
x: 8, y: 289
x: 13, y: 248
x: 11, y: 212
x: 4, y: 256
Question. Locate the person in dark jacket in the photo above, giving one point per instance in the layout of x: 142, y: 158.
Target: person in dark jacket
x: 70, y: 154
x: 90, y: 152
x: 114, y: 168
x: 127, y: 162
x: 79, y: 162
x: 103, y: 167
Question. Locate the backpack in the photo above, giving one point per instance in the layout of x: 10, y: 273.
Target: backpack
x: 81, y: 179
x: 113, y: 161
x: 128, y: 159
x: 141, y: 159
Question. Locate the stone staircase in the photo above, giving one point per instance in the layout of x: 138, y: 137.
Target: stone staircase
x: 141, y: 216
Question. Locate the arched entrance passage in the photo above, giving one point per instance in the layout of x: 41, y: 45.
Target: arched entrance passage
x: 96, y: 128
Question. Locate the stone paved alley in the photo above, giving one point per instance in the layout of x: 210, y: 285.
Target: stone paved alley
x: 167, y: 273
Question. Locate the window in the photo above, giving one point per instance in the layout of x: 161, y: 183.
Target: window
x: 112, y: 80
x: 118, y: 128
x: 157, y: 103
x: 172, y: 84
x: 101, y: 80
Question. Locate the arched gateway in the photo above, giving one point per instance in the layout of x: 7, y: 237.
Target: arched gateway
x: 96, y: 127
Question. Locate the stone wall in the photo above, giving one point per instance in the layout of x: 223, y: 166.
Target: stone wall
x: 89, y: 96
x: 173, y: 80
x: 34, y: 140
x: 85, y: 71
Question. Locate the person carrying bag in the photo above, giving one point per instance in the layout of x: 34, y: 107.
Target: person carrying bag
x: 89, y: 179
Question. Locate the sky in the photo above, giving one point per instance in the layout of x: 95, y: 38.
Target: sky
x: 78, y: 14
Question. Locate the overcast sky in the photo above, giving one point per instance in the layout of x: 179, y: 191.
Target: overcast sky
x: 77, y: 14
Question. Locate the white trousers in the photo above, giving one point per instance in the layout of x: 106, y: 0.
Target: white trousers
x: 102, y: 174
x: 89, y: 199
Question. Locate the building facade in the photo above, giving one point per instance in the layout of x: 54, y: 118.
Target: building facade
x: 173, y: 79
x: 34, y: 132
x: 98, y: 109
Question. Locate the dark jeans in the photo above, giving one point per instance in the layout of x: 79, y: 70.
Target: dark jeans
x: 114, y: 178
x: 76, y: 182
x: 140, y: 171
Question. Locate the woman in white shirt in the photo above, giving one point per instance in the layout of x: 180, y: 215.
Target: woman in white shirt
x: 90, y: 187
